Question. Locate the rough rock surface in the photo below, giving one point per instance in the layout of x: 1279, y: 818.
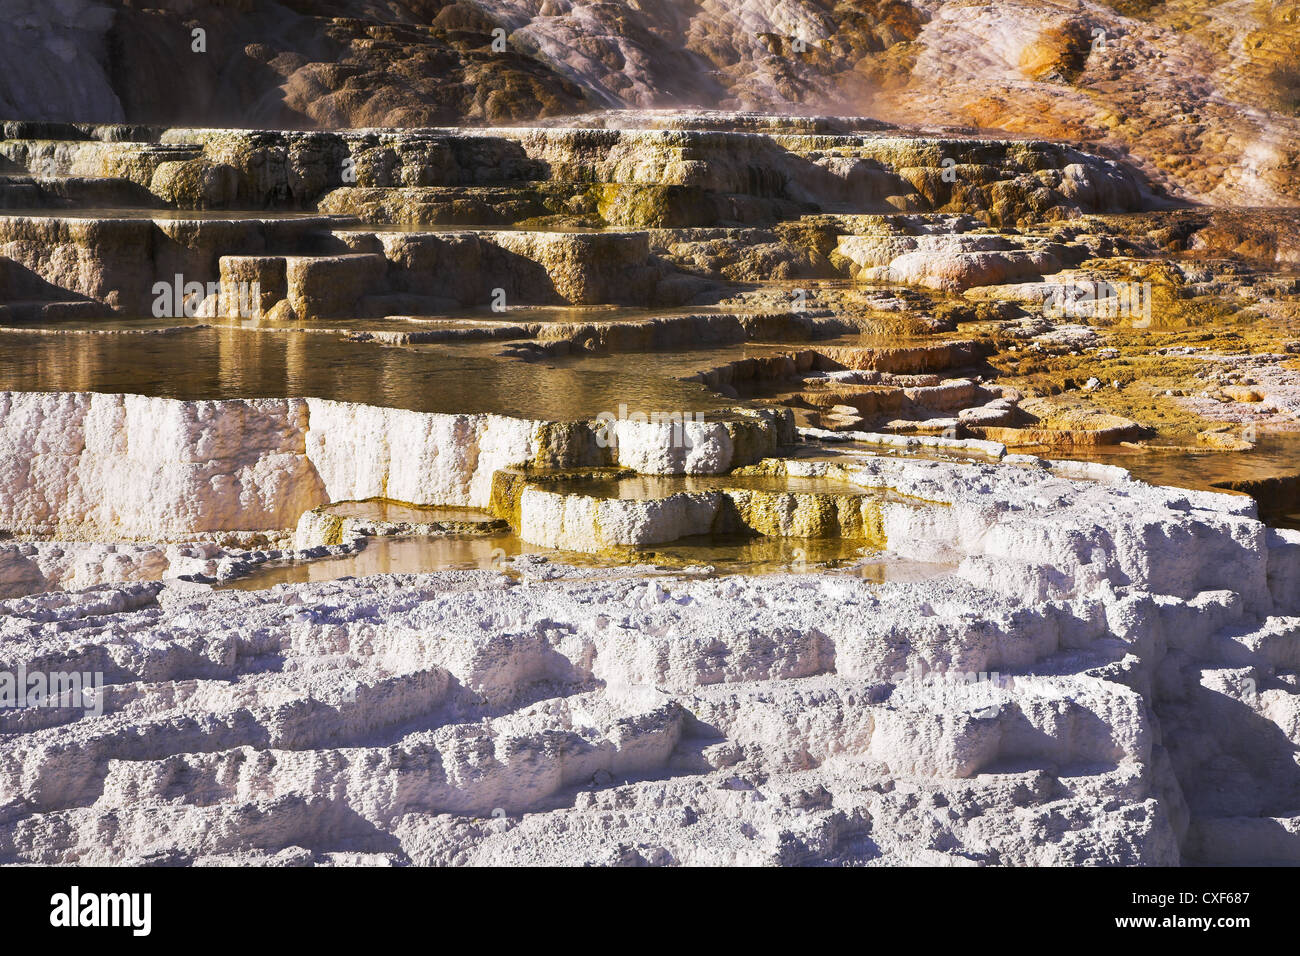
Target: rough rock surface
x: 1202, y: 93
x: 1024, y: 661
x: 74, y: 462
x: 482, y: 717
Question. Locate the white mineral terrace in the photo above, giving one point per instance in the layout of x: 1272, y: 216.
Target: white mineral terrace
x: 667, y: 487
x: 1105, y: 673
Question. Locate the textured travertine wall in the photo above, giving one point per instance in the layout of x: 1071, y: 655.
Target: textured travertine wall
x: 363, y: 451
x: 130, y: 466
x: 135, y: 467
x: 81, y: 464
x: 582, y: 523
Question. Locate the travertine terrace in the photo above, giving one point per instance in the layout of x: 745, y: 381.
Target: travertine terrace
x: 621, y: 484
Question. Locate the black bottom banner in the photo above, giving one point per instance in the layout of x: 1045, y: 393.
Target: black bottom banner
x: 147, y: 906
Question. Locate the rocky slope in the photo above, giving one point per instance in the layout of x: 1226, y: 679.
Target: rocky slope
x: 1203, y: 95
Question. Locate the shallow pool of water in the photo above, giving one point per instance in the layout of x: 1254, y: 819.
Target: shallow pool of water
x: 416, y: 555
x: 229, y: 362
x: 400, y: 512
x: 1188, y: 467
x: 725, y: 554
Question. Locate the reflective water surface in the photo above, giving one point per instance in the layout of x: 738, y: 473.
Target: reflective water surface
x: 721, y: 554
x: 471, y: 378
x: 1275, y: 454
x: 162, y: 357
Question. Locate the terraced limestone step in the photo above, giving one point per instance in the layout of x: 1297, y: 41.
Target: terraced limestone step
x: 614, y: 510
x: 631, y: 177
x: 258, y: 465
x: 676, y: 332
x: 342, y: 521
x: 71, y: 192
x: 577, y: 204
x: 951, y: 263
x: 119, y: 261
x: 874, y: 400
